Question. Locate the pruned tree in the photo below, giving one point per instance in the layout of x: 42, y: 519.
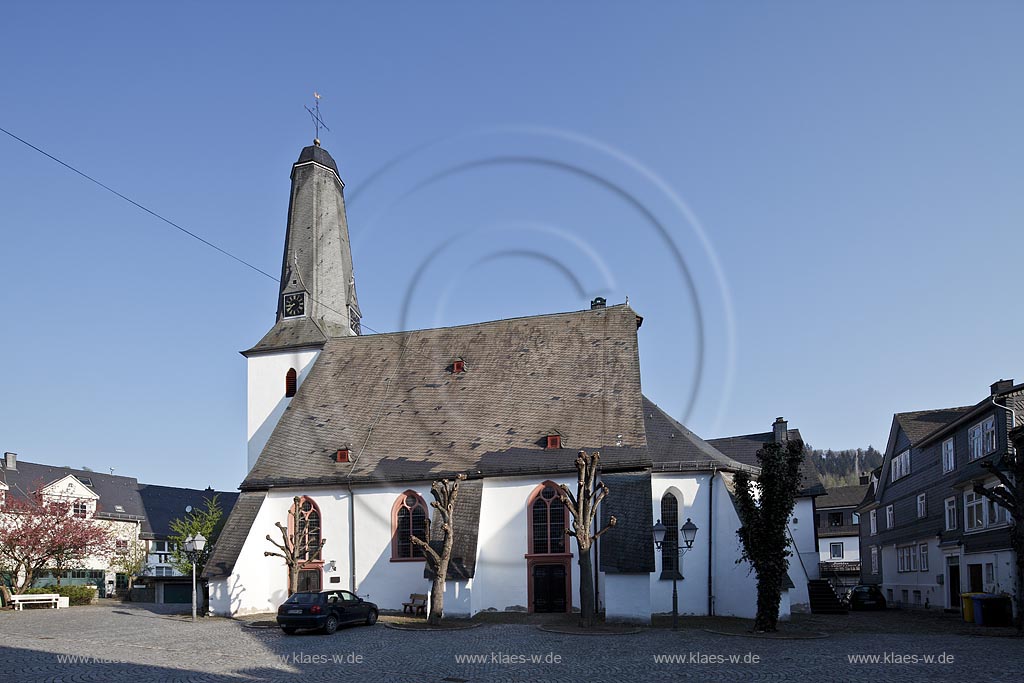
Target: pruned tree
x: 1009, y: 494
x: 445, y: 493
x: 294, y: 547
x: 764, y: 508
x: 583, y: 508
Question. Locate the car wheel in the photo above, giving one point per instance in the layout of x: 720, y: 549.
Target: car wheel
x: 331, y: 624
x: 288, y: 630
x: 371, y: 618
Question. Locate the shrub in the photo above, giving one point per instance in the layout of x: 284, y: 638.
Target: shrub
x: 77, y: 595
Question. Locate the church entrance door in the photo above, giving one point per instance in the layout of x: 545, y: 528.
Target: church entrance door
x: 549, y: 592
x: 309, y: 581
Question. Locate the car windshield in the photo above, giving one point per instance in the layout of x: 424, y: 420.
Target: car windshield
x: 304, y: 598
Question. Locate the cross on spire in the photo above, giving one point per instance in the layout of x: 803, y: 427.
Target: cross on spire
x: 318, y: 122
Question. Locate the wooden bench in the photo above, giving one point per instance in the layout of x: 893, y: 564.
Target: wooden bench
x: 19, y: 601
x: 417, y: 604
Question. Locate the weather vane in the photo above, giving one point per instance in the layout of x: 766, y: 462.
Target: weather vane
x: 318, y: 122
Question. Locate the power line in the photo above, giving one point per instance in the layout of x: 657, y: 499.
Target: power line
x: 193, y: 235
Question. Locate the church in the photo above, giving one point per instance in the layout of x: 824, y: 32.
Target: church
x: 356, y: 427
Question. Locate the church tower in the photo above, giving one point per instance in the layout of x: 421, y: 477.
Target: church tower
x: 316, y: 299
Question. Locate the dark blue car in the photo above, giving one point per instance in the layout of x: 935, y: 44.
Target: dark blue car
x: 325, y: 611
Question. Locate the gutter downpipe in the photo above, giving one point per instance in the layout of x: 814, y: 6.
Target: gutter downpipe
x: 351, y: 539
x: 711, y: 541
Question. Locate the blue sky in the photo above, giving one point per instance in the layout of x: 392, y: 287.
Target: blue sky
x: 841, y: 181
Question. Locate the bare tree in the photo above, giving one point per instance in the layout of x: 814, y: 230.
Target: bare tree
x: 294, y: 548
x: 583, y: 508
x: 445, y: 493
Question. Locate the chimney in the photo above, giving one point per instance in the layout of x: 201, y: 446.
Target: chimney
x: 598, y: 302
x: 780, y: 430
x: 999, y: 386
x: 11, y: 461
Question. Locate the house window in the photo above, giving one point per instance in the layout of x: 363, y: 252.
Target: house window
x: 997, y: 514
x: 990, y: 572
x: 917, y: 597
x: 923, y: 552
x: 835, y: 519
x: 981, y: 438
x: 159, y: 547
x: 121, y: 544
x: 874, y: 559
x: 974, y: 511
x: 900, y: 466
x: 951, y: 514
x: 948, y: 456
x: 291, y: 380
x: 856, y: 518
x: 835, y: 551
x: 307, y: 532
x: 547, y: 521
x: 409, y: 520
x: 922, y: 505
x: 874, y: 522
x: 890, y: 517
x: 670, y: 518
x: 80, y: 509
x: 906, y: 559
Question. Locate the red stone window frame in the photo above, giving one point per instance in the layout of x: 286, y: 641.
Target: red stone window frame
x: 458, y: 367
x: 310, y: 531
x: 556, y: 541
x: 291, y: 382
x: 409, y: 514
x: 554, y: 441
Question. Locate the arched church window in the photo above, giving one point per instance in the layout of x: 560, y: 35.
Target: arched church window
x: 547, y: 521
x: 308, y: 529
x: 291, y: 380
x: 409, y: 519
x: 670, y: 518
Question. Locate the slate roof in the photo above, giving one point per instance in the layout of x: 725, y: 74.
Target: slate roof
x: 162, y: 504
x: 842, y: 496
x: 319, y: 155
x: 232, y: 536
x: 467, y: 531
x: 744, y: 448
x: 628, y: 547
x: 393, y: 400
x: 113, y: 489
x: 918, y: 425
x: 673, y: 446
x: 290, y: 333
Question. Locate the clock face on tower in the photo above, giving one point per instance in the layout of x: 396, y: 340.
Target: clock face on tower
x: 294, y: 305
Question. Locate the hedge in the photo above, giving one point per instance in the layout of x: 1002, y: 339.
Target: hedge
x: 77, y: 595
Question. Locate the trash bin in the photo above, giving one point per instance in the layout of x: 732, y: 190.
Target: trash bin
x: 967, y: 606
x: 996, y: 610
x: 977, y: 601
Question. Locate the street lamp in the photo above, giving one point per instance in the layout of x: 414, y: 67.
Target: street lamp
x: 660, y: 531
x: 194, y: 545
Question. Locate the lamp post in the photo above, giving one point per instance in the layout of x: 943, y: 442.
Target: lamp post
x: 689, y: 534
x: 194, y: 545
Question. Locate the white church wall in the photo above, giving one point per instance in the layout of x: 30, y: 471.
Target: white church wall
x: 803, y: 564
x: 501, y: 581
x: 691, y: 490
x: 265, y: 390
x: 735, y: 585
x: 627, y: 598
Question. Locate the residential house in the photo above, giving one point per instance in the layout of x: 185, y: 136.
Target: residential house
x: 838, y: 525
x: 926, y: 536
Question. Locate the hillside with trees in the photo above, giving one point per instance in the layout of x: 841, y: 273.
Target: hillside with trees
x: 843, y: 468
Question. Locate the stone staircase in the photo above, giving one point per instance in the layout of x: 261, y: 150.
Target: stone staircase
x: 823, y: 598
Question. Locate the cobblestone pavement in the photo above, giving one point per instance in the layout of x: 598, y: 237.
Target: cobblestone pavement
x: 119, y: 643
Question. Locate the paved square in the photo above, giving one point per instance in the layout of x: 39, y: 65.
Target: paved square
x: 128, y: 643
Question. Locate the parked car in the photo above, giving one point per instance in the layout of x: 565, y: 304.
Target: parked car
x: 866, y: 597
x: 325, y: 610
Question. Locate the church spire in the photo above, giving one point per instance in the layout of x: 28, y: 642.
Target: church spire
x: 317, y: 296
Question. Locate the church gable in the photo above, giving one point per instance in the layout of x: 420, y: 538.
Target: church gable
x: 394, y: 401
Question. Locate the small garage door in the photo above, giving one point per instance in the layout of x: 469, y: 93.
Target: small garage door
x: 178, y: 592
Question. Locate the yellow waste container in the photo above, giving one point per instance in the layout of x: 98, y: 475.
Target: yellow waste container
x: 967, y: 606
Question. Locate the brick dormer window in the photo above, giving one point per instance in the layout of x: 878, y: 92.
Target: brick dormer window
x: 342, y: 455
x: 458, y: 366
x: 554, y: 441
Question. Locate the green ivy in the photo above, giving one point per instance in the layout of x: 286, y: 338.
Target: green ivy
x: 764, y: 509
